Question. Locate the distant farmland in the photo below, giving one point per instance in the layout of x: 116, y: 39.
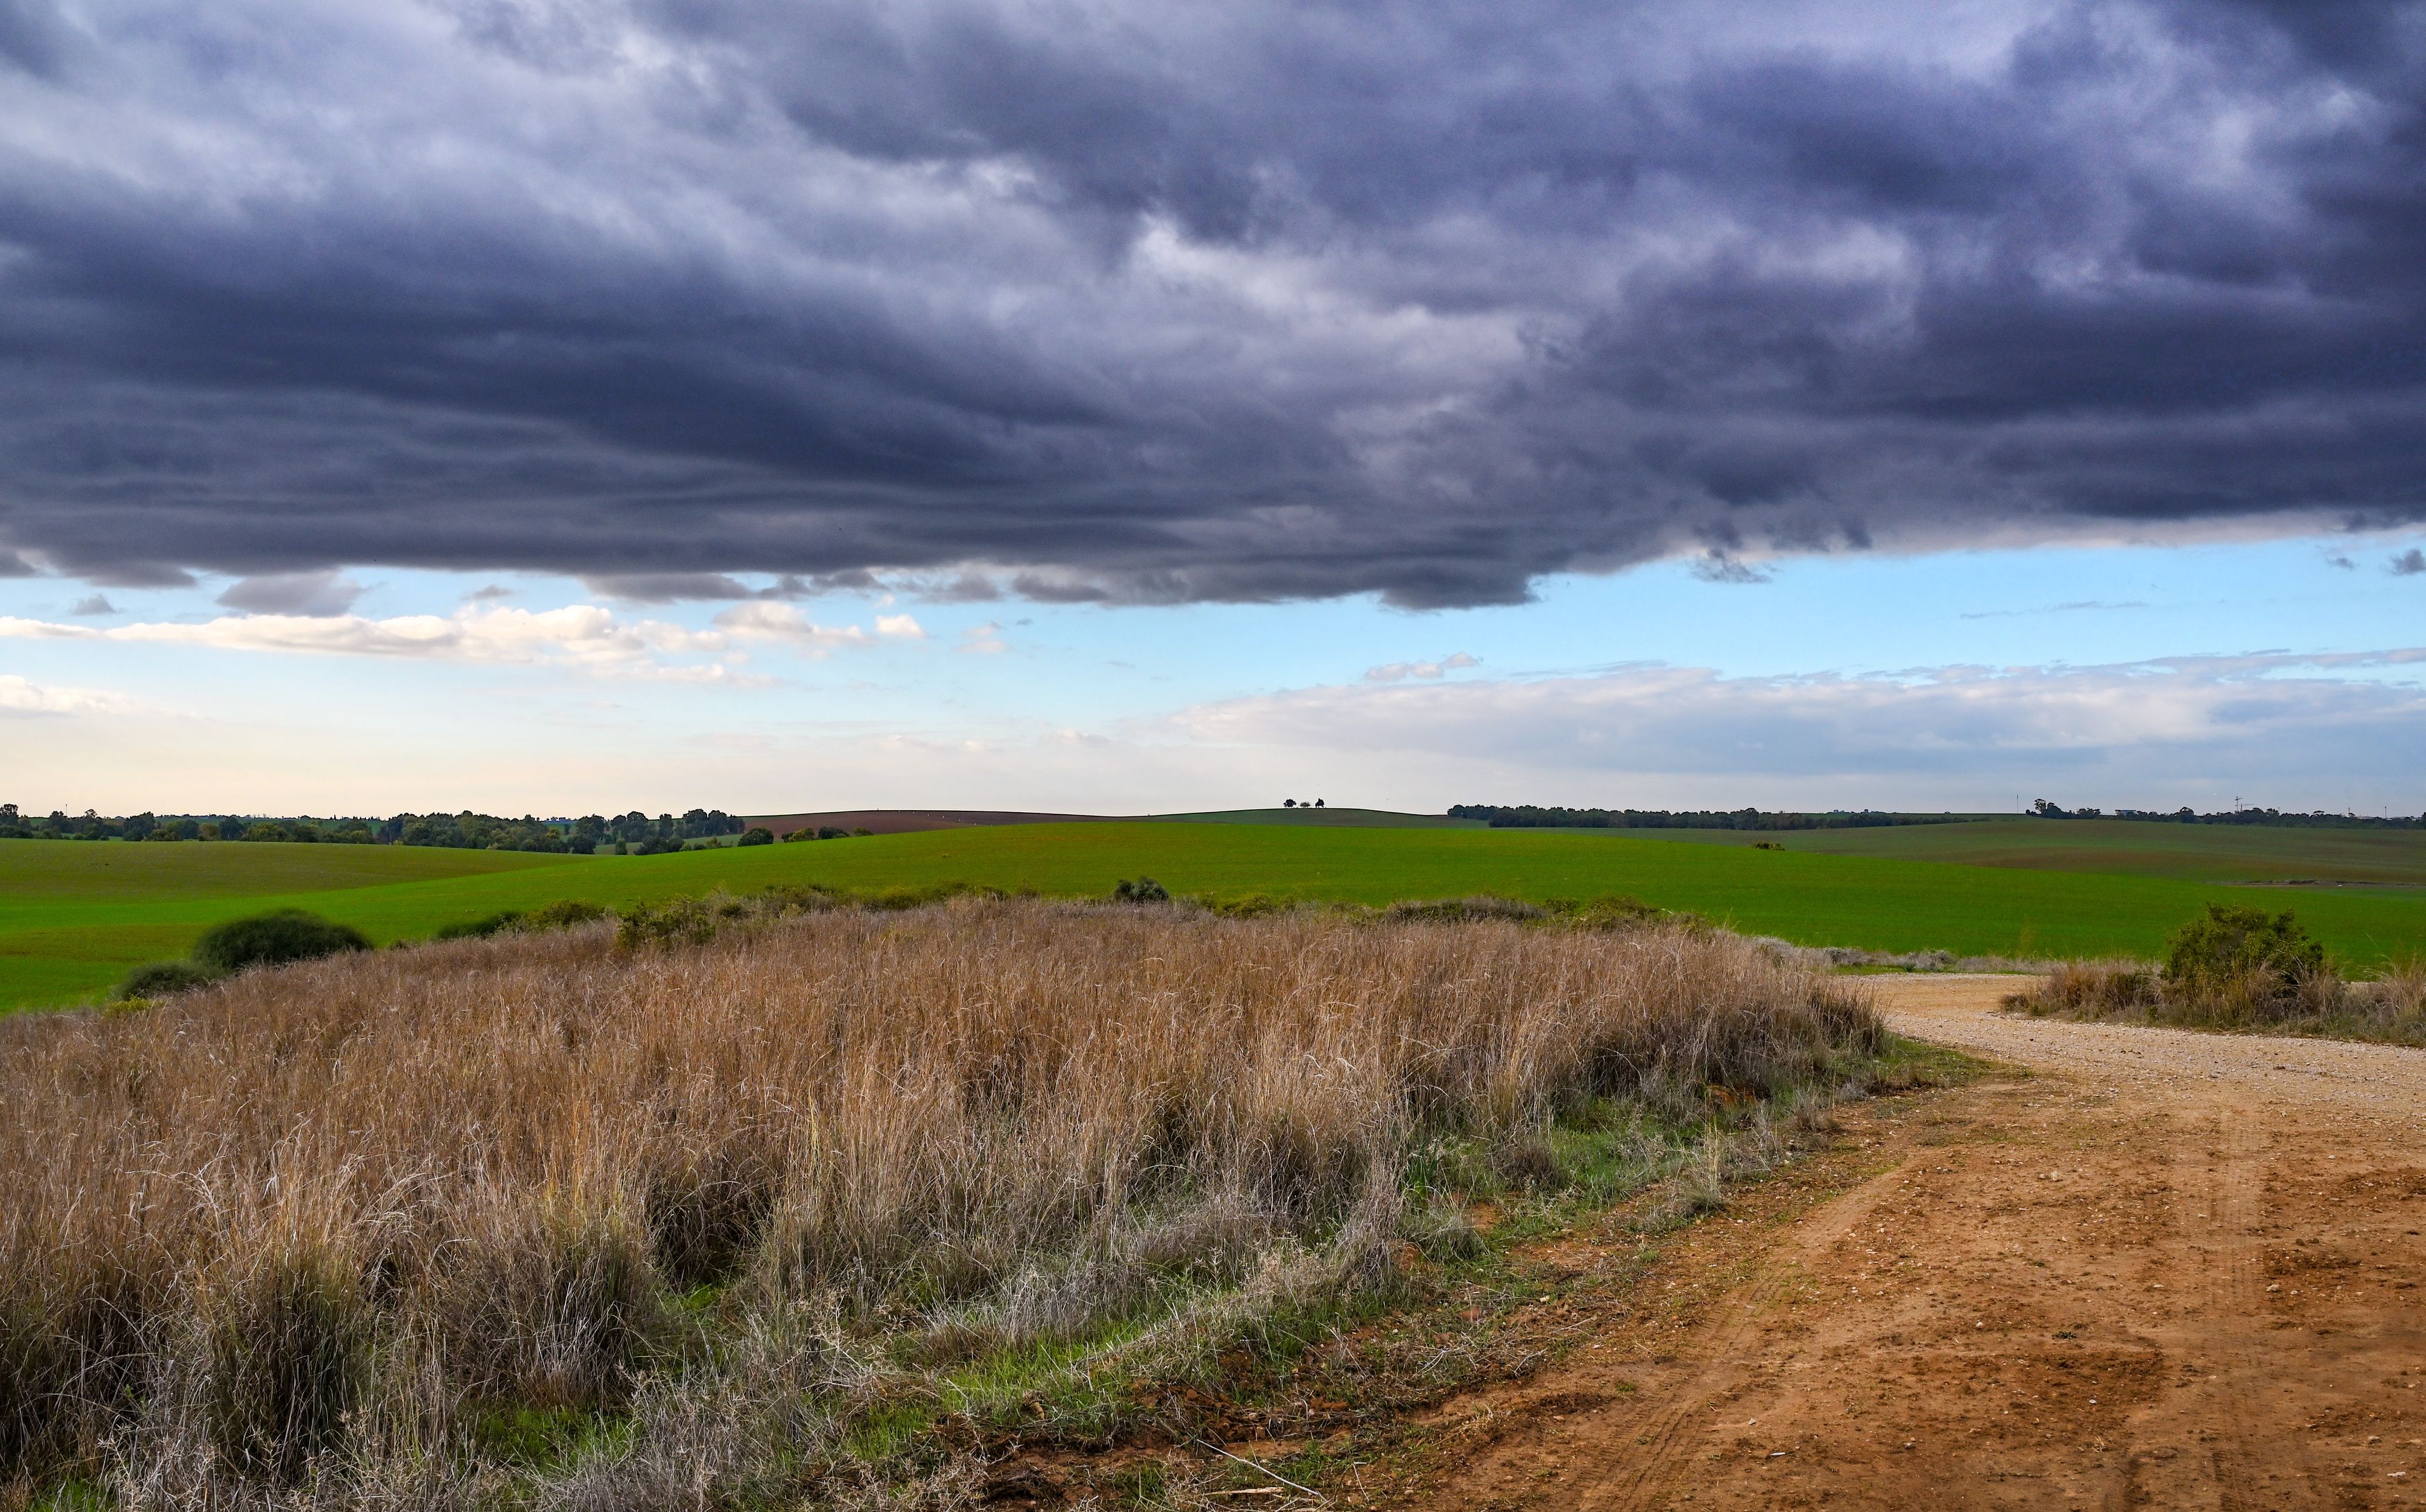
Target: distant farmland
x: 2197, y: 853
x: 74, y: 915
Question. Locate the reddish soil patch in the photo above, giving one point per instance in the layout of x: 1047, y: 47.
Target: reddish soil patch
x: 2167, y: 1270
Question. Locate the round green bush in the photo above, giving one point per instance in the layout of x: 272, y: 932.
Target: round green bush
x: 2231, y: 945
x: 273, y: 939
x: 756, y: 835
x: 159, y: 979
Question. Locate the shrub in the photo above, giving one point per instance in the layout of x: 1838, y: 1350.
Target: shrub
x: 1623, y: 910
x: 479, y: 928
x: 1454, y: 910
x: 1144, y: 889
x: 274, y: 939
x: 160, y: 978
x: 2235, y: 952
x: 674, y: 922
x: 2089, y: 989
x: 1248, y: 906
x: 805, y: 832
x: 564, y: 913
x: 756, y: 835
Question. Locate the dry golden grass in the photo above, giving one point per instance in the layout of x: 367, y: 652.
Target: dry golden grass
x: 302, y: 1228
x: 2391, y: 1007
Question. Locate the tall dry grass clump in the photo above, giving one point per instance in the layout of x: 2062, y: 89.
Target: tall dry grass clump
x: 307, y: 1227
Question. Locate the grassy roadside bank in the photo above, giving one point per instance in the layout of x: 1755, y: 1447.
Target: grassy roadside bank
x: 832, y: 1205
x: 2387, y: 1009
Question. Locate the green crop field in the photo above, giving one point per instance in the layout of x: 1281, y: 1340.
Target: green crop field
x: 2193, y: 853
x: 73, y: 915
x: 38, y: 872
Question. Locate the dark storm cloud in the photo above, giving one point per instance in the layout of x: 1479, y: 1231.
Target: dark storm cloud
x: 1166, y: 303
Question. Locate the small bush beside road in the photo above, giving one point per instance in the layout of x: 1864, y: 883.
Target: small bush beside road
x: 2239, y: 969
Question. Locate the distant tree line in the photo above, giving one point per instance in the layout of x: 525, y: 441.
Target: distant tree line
x: 1532, y: 816
x: 2316, y: 819
x: 635, y: 832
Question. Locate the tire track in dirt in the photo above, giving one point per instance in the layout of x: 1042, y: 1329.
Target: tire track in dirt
x: 2220, y: 1210
x: 1723, y: 1370
x: 2228, y: 1192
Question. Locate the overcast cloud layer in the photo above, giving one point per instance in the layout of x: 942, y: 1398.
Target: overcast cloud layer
x: 2348, y: 718
x: 1251, y: 300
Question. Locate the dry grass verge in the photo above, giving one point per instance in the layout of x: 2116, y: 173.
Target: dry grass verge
x: 725, y: 1206
x: 2391, y: 1009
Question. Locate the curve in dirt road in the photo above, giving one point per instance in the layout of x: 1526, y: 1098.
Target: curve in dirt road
x: 2161, y: 1269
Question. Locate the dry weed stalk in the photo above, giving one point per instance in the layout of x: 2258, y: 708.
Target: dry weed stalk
x: 307, y: 1222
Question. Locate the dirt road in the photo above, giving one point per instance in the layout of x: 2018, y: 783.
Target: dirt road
x: 2166, y: 1269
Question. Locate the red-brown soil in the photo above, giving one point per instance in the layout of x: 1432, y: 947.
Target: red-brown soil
x: 2165, y: 1269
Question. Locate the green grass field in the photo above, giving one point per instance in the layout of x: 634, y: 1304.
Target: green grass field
x: 2191, y: 853
x: 74, y: 915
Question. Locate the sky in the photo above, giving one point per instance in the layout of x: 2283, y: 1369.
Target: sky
x: 1103, y: 407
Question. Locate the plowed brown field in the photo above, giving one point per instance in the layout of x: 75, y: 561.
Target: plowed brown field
x: 2164, y: 1269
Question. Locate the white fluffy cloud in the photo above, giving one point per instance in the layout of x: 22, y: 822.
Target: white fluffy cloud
x: 19, y: 696
x: 581, y: 635
x: 780, y: 622
x: 1429, y: 671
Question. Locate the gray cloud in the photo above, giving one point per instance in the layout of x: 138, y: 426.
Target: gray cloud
x: 673, y: 587
x: 1718, y: 567
x: 318, y: 595
x: 667, y: 588
x: 97, y: 603
x: 1245, y: 302
x: 2409, y: 563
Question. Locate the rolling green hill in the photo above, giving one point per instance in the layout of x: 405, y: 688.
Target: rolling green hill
x: 1326, y: 819
x: 69, y: 925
